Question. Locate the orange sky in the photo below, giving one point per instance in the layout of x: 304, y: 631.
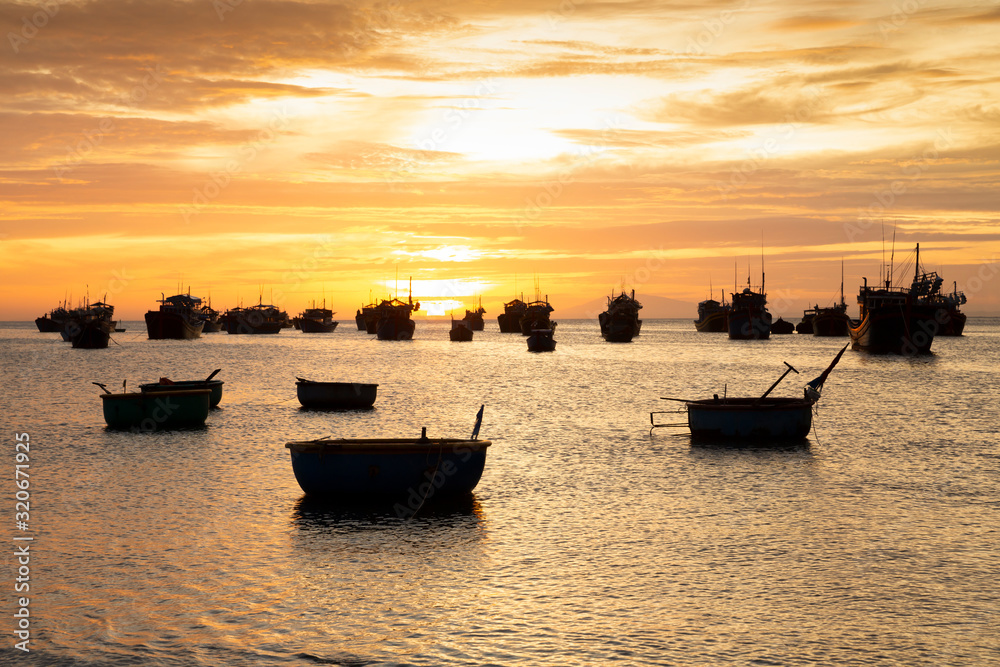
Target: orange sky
x: 303, y: 148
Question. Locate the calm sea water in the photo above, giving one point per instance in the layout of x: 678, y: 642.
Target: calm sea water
x: 588, y: 541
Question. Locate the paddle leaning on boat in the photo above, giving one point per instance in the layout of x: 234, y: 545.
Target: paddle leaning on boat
x: 760, y: 419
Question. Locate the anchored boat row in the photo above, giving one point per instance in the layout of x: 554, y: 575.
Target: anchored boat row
x: 893, y: 319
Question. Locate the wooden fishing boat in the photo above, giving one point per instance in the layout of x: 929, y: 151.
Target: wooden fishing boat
x: 166, y: 385
x: 541, y: 340
x: 950, y: 319
x: 316, y: 320
x: 460, y: 331
x: 898, y: 320
x: 178, y: 317
x: 712, y: 315
x: 474, y: 318
x: 806, y: 325
x: 393, y: 318
x: 409, y: 469
x: 620, y: 323
x: 54, y: 321
x: 258, y: 319
x: 335, y: 395
x: 536, y: 316
x: 211, y: 318
x: 90, y: 327
x: 748, y: 317
x: 752, y: 419
x: 157, y: 411
x: 832, y: 321
x: 510, y: 319
x: 781, y: 326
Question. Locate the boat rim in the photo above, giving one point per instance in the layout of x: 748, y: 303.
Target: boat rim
x: 159, y: 394
x: 361, y: 443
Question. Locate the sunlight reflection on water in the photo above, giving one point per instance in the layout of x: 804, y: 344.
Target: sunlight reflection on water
x: 588, y: 541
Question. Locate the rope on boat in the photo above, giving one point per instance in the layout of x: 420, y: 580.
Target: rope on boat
x: 816, y: 430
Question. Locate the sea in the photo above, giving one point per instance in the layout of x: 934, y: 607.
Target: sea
x: 590, y: 540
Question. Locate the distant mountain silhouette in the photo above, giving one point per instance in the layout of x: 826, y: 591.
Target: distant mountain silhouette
x: 652, y: 307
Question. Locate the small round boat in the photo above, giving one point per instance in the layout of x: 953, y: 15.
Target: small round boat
x: 750, y: 418
x: 410, y: 469
x: 335, y: 395
x: 156, y: 411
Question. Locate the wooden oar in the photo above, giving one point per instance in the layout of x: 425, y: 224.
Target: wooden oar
x: 214, y: 373
x: 102, y: 387
x: 682, y: 400
x: 776, y: 382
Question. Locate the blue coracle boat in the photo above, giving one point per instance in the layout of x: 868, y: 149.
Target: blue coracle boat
x: 390, y: 467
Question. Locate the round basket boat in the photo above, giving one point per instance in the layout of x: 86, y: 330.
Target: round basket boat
x: 388, y: 467
x: 750, y: 418
x: 156, y: 411
x: 335, y: 395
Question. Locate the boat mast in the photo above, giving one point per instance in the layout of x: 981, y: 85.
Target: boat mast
x: 892, y: 255
x: 842, y: 282
x: 762, y: 261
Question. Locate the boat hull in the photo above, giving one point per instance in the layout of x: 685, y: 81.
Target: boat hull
x: 388, y: 468
x: 161, y: 326
x: 214, y: 387
x: 529, y: 323
x: 750, y: 419
x: 316, y: 326
x: 619, y: 329
x: 541, y: 341
x: 211, y: 326
x: 713, y: 323
x: 395, y: 328
x: 831, y: 324
x: 156, y: 411
x: 90, y: 335
x: 474, y: 323
x: 749, y: 325
x: 460, y: 333
x: 904, y: 331
x: 47, y: 325
x: 509, y: 322
x: 336, y: 395
x: 953, y: 323
x: 241, y: 325
x: 781, y: 326
x: 359, y: 320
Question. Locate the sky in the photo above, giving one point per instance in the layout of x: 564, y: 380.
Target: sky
x: 295, y: 151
